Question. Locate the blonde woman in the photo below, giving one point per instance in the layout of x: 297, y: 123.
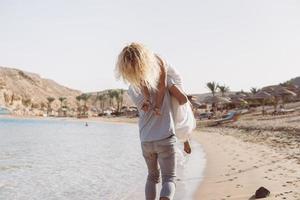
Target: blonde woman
x: 153, y: 74
x: 149, y: 84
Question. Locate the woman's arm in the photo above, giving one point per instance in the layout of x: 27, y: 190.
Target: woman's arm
x: 161, y: 88
x: 178, y: 94
x: 146, y: 102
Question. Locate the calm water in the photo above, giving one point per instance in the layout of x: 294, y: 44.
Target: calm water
x: 62, y: 160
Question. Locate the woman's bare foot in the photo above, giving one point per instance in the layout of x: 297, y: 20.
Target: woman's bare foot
x: 164, y: 198
x: 187, y: 147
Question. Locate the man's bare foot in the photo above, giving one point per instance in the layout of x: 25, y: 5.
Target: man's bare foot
x: 187, y: 147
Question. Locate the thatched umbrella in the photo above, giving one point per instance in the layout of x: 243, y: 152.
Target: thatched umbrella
x: 282, y: 93
x: 216, y: 100
x: 238, y: 101
x: 262, y: 96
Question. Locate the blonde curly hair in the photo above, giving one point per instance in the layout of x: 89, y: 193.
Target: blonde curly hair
x: 138, y: 66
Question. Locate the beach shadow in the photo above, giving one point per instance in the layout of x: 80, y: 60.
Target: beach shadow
x: 251, y: 198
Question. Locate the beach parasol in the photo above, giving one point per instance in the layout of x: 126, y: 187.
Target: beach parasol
x: 216, y: 100
x: 262, y: 96
x: 283, y: 93
x: 238, y: 100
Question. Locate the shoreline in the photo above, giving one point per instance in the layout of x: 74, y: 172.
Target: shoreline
x: 235, y: 169
x: 116, y: 120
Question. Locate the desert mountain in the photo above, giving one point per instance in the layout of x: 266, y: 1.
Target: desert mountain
x: 20, y: 89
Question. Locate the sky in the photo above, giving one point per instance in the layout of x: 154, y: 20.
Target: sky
x: 239, y: 43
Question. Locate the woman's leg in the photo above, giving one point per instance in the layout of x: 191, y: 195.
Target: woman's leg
x: 153, y: 171
x: 167, y: 161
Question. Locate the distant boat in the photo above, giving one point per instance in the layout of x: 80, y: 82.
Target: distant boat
x: 4, y: 111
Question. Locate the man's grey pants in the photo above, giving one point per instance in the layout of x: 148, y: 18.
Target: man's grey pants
x: 160, y: 153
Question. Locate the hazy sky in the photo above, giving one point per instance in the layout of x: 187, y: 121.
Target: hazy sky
x: 241, y: 43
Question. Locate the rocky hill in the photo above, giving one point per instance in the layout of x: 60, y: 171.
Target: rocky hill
x: 22, y: 91
x: 296, y: 81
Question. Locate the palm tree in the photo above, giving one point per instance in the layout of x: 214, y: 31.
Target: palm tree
x: 12, y: 99
x: 61, y: 110
x: 50, y: 100
x: 223, y: 89
x: 85, y: 98
x: 212, y: 86
x: 111, y: 94
x: 78, y: 99
x: 43, y: 105
x: 61, y: 99
x: 101, y: 98
x: 254, y: 90
x: 121, y: 100
x: 26, y: 102
x: 118, y: 94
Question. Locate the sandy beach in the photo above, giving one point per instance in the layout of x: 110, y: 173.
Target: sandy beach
x: 252, y: 152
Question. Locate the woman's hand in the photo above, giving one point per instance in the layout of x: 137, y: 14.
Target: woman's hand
x: 146, y: 106
x: 157, y: 111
